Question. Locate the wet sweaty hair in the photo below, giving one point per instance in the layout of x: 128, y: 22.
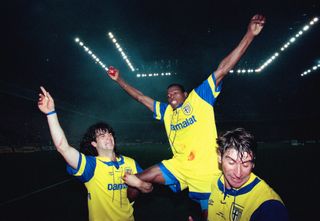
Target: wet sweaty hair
x: 90, y: 135
x: 177, y: 85
x: 240, y: 140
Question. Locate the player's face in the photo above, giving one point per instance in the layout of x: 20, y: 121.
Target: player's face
x: 104, y: 140
x: 175, y: 96
x: 236, y: 168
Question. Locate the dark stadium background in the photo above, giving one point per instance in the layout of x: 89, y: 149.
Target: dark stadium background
x: 188, y: 37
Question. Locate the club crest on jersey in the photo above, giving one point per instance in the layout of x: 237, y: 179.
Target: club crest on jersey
x: 128, y: 170
x: 187, y: 109
x: 236, y: 212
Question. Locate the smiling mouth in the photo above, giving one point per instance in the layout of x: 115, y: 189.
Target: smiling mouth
x: 173, y: 102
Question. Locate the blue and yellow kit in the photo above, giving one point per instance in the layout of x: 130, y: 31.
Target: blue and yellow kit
x: 107, y: 193
x: 255, y: 201
x: 192, y: 134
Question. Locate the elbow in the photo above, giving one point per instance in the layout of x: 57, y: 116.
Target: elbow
x: 62, y: 146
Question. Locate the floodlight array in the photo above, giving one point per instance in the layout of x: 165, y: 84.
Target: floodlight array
x: 121, y: 51
x: 143, y: 75
x: 312, y: 69
x: 285, y: 46
x: 90, y: 52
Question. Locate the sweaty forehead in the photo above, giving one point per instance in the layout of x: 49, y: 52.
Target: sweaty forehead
x: 237, y: 156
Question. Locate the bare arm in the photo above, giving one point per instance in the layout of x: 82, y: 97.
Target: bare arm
x: 133, y: 181
x: 46, y: 105
x: 133, y: 92
x: 254, y: 28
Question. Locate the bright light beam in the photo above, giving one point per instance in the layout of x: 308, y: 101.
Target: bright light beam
x: 121, y: 51
x: 285, y: 46
x: 96, y: 59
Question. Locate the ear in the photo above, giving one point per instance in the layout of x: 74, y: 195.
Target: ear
x: 93, y: 143
x: 185, y: 94
x: 219, y: 158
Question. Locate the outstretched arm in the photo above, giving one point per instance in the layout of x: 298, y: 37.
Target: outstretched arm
x: 133, y: 92
x: 46, y: 105
x: 254, y: 28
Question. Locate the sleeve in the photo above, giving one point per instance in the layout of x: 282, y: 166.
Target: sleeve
x: 85, y: 168
x: 208, y: 90
x: 138, y: 168
x: 270, y: 210
x: 159, y: 110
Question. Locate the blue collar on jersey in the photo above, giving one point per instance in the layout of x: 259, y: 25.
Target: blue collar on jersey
x: 116, y: 164
x: 234, y: 192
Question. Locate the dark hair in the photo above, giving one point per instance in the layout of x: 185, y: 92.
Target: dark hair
x: 90, y: 135
x: 177, y: 85
x: 238, y: 139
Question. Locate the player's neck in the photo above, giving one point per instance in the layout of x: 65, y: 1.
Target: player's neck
x: 108, y: 154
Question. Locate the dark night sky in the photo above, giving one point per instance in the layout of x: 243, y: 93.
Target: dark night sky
x: 38, y: 49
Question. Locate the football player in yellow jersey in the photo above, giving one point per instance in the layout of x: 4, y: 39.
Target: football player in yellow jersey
x: 237, y: 193
x: 99, y: 167
x: 190, y: 126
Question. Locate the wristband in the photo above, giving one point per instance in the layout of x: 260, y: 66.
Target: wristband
x: 51, y: 112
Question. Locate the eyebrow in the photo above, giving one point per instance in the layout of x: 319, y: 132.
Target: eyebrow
x: 247, y: 161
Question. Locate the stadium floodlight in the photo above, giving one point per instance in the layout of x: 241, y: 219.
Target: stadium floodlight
x: 89, y: 52
x: 309, y: 70
x: 283, y: 48
x: 155, y: 74
x: 121, y: 51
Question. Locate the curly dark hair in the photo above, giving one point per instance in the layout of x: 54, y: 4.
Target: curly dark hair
x: 90, y: 135
x: 240, y: 140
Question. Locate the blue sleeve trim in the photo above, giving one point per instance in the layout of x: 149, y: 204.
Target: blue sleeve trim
x: 155, y: 109
x: 270, y: 210
x: 204, y: 90
x: 139, y: 169
x: 218, y: 87
x: 170, y: 179
x: 88, y: 170
x: 243, y: 190
x: 73, y: 171
x: 163, y: 107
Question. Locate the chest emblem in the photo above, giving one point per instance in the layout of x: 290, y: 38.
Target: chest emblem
x: 236, y: 212
x: 187, y: 109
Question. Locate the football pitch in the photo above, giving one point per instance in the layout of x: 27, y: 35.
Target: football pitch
x: 36, y: 186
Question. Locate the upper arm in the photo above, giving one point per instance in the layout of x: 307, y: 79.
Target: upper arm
x: 71, y: 156
x: 146, y: 101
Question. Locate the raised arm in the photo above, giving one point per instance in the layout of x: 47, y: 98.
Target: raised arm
x: 254, y: 28
x: 133, y: 92
x: 46, y: 106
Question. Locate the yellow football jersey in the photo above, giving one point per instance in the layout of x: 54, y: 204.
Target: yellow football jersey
x: 192, y: 134
x: 107, y: 193
x: 254, y: 201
